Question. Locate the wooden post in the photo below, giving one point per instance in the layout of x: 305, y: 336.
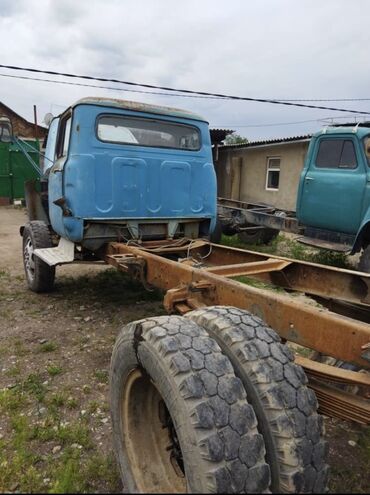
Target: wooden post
x: 35, y: 120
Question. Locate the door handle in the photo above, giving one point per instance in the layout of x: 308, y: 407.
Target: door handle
x: 309, y: 178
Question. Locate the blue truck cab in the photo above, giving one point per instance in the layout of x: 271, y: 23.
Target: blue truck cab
x: 334, y: 191
x: 121, y: 170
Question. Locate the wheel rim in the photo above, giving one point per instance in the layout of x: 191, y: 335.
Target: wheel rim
x: 149, y: 438
x: 29, y: 262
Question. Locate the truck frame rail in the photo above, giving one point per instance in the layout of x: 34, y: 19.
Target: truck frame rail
x: 238, y: 214
x: 194, y: 274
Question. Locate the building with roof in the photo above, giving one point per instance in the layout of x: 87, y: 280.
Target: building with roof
x: 14, y: 166
x: 21, y: 127
x: 266, y: 171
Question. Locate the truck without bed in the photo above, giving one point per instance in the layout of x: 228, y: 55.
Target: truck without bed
x: 210, y: 399
x: 333, y: 200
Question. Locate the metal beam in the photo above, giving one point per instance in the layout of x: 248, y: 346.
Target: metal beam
x: 303, y: 276
x: 252, y: 268
x: 298, y: 322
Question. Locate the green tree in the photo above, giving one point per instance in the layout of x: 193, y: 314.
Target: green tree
x: 235, y: 139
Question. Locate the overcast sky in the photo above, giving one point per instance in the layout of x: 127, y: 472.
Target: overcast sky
x: 266, y: 49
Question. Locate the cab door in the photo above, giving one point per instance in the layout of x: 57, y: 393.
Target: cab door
x: 333, y: 186
x: 56, y: 174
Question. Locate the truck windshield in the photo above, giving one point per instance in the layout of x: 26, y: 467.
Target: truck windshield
x: 147, y: 132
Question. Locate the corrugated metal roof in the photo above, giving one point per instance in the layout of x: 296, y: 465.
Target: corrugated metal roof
x: 218, y: 135
x: 262, y: 142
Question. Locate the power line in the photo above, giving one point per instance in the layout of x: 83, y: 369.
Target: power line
x: 185, y: 96
x: 187, y: 91
x: 323, y: 99
x: 166, y: 94
x: 273, y: 124
x: 108, y: 87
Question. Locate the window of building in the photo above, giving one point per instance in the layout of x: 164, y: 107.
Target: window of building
x: 336, y: 153
x: 273, y: 174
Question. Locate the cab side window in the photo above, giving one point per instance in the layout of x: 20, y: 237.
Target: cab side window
x: 50, y: 144
x: 63, y: 137
x: 367, y: 149
x: 336, y: 153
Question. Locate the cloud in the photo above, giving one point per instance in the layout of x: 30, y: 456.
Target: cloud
x: 9, y: 7
x: 271, y: 49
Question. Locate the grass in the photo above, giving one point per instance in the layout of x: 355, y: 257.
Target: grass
x: 34, y: 386
x: 289, y: 248
x: 70, y: 471
x: 101, y: 375
x: 48, y: 347
x: 14, y: 371
x: 58, y: 399
x: 19, y: 348
x: 11, y: 400
x: 76, y: 476
x: 86, y: 389
x: 72, y: 403
x: 54, y: 369
x: 27, y: 461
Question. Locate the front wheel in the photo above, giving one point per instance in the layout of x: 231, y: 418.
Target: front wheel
x: 181, y: 421
x: 258, y: 236
x: 40, y: 276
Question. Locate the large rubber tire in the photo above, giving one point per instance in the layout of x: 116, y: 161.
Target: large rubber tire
x: 170, y: 361
x: 227, y: 230
x: 258, y: 236
x: 276, y: 387
x: 364, y: 263
x: 40, y: 276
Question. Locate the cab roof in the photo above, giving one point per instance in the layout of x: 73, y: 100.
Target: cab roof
x: 137, y: 106
x: 358, y: 129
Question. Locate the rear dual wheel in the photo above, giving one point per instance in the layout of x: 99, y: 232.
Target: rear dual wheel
x: 212, y: 403
x: 181, y: 421
x: 286, y: 409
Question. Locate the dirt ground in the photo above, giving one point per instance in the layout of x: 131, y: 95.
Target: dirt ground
x: 55, y: 433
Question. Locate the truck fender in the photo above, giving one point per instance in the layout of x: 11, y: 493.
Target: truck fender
x: 363, y: 234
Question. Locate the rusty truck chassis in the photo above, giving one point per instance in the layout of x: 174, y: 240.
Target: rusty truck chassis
x: 241, y: 216
x: 196, y: 273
